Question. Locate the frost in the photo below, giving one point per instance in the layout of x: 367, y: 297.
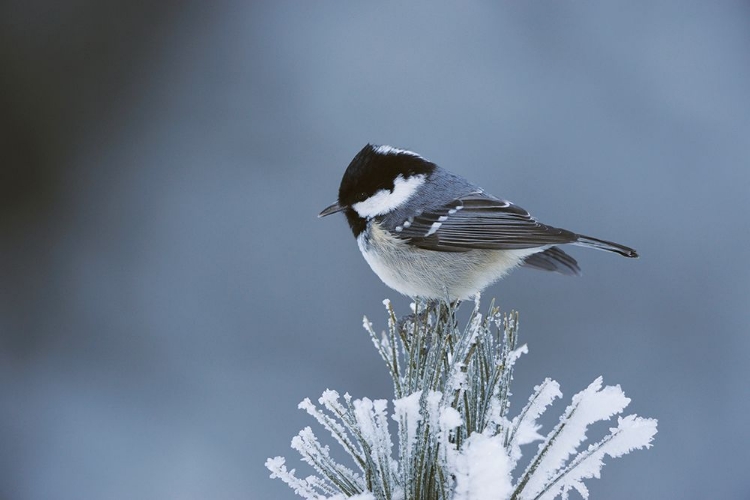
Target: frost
x: 406, y: 413
x: 524, y: 429
x: 631, y: 433
x: 361, y: 496
x: 455, y: 438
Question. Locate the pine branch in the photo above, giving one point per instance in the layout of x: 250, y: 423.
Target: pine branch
x: 451, y: 402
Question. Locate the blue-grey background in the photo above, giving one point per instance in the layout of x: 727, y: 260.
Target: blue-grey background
x: 168, y: 295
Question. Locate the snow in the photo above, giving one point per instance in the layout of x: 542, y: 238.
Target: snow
x: 461, y: 432
x: 589, y: 406
x: 433, y: 401
x: 406, y: 413
x: 450, y: 418
x: 524, y: 427
x: 279, y: 470
x: 361, y: 496
x: 631, y: 433
x: 482, y: 469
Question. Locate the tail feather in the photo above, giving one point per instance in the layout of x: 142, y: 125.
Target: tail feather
x: 553, y: 259
x: 609, y: 246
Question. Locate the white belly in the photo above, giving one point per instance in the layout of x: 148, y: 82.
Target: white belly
x: 417, y: 272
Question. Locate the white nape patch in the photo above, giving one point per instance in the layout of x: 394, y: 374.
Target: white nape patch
x: 385, y: 201
x: 433, y: 229
x: 389, y: 150
x: 407, y: 223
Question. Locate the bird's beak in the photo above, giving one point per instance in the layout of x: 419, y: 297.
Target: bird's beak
x: 331, y: 210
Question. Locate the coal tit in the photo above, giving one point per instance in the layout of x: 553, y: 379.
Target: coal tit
x: 429, y: 233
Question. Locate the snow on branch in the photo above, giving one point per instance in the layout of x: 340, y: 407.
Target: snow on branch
x: 455, y: 439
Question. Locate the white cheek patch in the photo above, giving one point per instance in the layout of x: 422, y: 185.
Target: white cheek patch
x: 385, y: 201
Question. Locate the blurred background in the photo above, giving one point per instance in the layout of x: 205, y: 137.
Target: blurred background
x: 168, y: 295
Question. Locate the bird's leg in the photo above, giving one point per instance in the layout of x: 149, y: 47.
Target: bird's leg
x: 420, y: 316
x: 447, y: 317
x: 451, y: 306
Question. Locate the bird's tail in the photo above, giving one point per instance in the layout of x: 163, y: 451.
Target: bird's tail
x: 609, y: 246
x: 553, y: 259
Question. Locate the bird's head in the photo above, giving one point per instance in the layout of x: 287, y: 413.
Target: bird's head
x: 377, y: 181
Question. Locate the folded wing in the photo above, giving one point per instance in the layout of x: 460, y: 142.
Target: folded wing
x: 477, y: 221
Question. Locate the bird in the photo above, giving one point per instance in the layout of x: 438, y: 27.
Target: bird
x: 429, y: 233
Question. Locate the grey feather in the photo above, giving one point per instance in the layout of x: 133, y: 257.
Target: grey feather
x: 479, y: 221
x: 555, y: 260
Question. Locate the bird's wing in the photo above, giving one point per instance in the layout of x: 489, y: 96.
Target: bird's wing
x: 477, y: 221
